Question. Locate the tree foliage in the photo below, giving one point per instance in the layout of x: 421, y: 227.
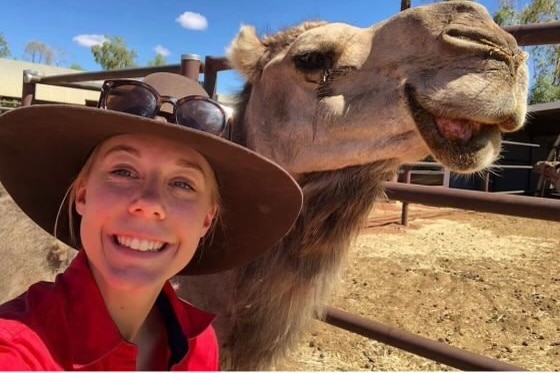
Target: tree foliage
x: 4, y: 49
x: 75, y: 66
x: 159, y: 60
x: 505, y: 16
x: 545, y: 59
x: 113, y: 54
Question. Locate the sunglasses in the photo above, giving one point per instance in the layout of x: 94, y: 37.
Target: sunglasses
x: 138, y: 98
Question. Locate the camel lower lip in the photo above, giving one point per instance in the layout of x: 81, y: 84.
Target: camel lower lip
x: 457, y: 130
x: 426, y: 125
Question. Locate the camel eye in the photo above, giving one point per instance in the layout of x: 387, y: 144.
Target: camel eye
x: 313, y: 61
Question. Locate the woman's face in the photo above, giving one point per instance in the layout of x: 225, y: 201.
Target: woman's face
x: 145, y: 204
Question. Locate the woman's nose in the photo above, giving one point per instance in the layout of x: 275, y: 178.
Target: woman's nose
x: 148, y: 203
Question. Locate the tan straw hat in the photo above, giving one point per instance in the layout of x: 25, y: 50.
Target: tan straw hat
x: 43, y: 147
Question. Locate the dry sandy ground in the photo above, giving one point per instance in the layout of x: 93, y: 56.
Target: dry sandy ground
x: 486, y: 283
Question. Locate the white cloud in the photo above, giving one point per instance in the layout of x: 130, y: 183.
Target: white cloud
x: 89, y: 40
x: 192, y: 21
x: 159, y: 49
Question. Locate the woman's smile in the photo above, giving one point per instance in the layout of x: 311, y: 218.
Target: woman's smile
x: 139, y: 244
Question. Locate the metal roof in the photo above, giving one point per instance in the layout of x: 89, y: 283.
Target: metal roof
x: 11, y: 80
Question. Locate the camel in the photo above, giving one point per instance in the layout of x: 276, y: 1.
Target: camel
x: 340, y: 108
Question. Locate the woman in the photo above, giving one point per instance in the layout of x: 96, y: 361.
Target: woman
x: 160, y: 193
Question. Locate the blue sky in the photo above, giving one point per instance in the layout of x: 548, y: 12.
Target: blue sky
x: 174, y: 27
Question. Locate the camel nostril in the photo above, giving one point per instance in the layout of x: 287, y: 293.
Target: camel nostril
x: 473, y: 40
x: 472, y: 35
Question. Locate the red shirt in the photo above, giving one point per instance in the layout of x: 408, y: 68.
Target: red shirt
x: 65, y: 326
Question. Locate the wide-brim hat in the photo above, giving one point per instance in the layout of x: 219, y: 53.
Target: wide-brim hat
x: 43, y: 147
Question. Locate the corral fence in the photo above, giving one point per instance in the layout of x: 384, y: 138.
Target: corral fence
x: 441, y: 196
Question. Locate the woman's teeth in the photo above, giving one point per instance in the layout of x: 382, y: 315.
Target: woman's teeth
x: 140, y: 245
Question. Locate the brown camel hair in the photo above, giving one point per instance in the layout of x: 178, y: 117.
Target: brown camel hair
x: 341, y: 107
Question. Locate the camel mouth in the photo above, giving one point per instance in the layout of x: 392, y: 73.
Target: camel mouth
x: 461, y: 144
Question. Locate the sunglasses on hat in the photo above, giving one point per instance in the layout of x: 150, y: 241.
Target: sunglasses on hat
x: 139, y: 98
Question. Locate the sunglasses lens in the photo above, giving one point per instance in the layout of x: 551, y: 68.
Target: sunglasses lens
x: 201, y: 115
x: 132, y: 99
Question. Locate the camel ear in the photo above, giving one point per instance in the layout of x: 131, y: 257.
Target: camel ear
x: 245, y: 52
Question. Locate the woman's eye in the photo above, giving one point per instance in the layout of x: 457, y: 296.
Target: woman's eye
x: 122, y: 172
x: 182, y: 185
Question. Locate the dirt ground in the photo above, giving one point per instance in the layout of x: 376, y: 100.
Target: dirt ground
x: 486, y: 283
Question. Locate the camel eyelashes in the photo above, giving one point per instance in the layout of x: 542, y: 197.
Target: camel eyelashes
x: 313, y: 61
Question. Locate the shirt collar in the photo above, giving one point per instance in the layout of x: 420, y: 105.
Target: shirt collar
x: 87, y: 314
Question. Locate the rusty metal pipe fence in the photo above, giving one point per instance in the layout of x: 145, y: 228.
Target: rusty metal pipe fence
x: 531, y: 207
x: 504, y: 204
x: 439, y: 196
x: 425, y: 347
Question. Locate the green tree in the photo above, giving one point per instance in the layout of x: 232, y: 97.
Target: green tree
x: 506, y: 14
x: 75, y: 66
x: 545, y: 59
x: 159, y: 60
x: 4, y: 49
x: 113, y: 54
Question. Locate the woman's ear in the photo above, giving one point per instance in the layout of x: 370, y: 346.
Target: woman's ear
x: 209, y: 220
x: 80, y: 199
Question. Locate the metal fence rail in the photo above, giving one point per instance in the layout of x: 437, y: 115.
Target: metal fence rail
x: 428, y: 348
x: 523, y: 206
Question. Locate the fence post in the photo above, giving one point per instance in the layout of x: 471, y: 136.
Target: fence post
x: 190, y: 65
x: 404, y: 214
x: 446, y: 177
x: 28, y: 87
x: 210, y: 76
x: 486, y: 181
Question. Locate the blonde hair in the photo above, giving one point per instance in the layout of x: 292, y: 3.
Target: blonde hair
x: 70, y: 198
x: 71, y: 194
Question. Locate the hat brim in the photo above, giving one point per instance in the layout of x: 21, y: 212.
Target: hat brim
x: 43, y: 147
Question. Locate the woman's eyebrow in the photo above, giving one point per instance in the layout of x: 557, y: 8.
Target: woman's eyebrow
x: 181, y: 162
x: 121, y: 148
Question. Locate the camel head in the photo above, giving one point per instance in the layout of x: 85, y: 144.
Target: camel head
x: 441, y: 79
